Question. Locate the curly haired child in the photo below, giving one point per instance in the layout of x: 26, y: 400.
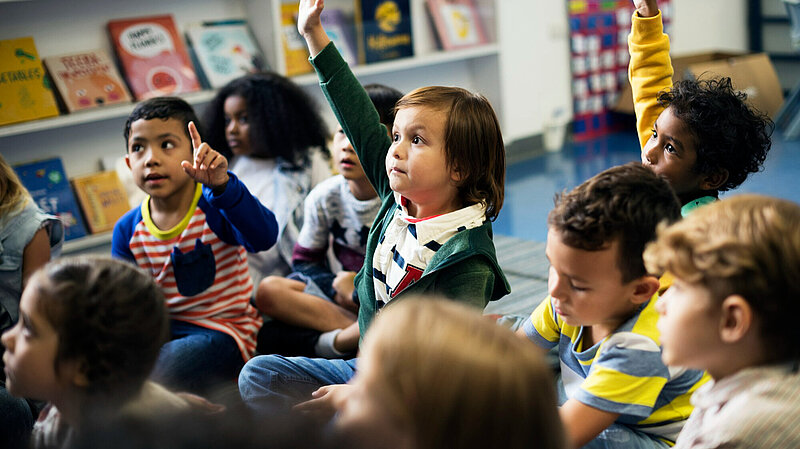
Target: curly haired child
x: 89, y: 332
x: 732, y: 310
x: 275, y: 138
x: 700, y: 135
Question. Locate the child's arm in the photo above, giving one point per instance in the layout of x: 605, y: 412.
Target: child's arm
x: 650, y: 69
x: 348, y: 99
x: 245, y: 221
x: 309, y: 256
x: 583, y: 423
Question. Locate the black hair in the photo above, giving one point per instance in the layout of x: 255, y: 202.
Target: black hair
x: 384, y: 98
x: 284, y: 121
x: 163, y: 108
x: 730, y: 134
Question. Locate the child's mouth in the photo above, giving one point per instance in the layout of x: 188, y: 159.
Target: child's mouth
x: 154, y: 178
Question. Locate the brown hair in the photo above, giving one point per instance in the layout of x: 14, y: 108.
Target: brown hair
x: 109, y: 316
x: 473, y: 142
x: 747, y: 245
x: 626, y: 202
x: 13, y: 195
x: 456, y: 379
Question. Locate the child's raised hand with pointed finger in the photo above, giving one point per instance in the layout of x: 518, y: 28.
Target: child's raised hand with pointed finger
x: 209, y: 167
x: 310, y: 26
x: 646, y: 8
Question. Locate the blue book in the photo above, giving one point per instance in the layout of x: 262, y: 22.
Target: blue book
x: 385, y: 30
x: 47, y: 183
x: 223, y: 51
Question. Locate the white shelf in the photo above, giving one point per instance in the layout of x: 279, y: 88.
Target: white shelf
x: 88, y: 242
x: 118, y: 111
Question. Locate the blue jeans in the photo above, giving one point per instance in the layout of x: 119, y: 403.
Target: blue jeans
x: 619, y: 436
x: 271, y: 384
x: 197, y: 359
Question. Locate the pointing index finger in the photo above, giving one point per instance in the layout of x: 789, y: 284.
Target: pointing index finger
x: 196, y: 140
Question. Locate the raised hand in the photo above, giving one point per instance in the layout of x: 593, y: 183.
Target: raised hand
x: 209, y: 167
x: 310, y: 26
x: 646, y: 8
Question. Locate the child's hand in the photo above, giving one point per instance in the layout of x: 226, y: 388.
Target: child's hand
x: 344, y: 284
x: 646, y: 8
x: 310, y: 26
x: 209, y: 168
x: 325, y: 401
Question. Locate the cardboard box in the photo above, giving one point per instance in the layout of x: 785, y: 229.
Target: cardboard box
x: 752, y: 73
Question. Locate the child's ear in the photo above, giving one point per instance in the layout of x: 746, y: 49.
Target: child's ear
x: 715, y: 180
x: 455, y: 175
x: 74, y: 371
x: 644, y: 288
x: 736, y: 319
x: 128, y: 162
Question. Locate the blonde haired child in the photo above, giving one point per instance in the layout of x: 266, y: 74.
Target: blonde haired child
x: 28, y: 238
x: 440, y: 178
x: 435, y: 373
x: 89, y: 332
x: 732, y: 310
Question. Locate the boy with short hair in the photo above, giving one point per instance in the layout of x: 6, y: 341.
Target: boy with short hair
x: 700, y: 135
x: 732, y: 310
x: 601, y: 315
x: 191, y: 233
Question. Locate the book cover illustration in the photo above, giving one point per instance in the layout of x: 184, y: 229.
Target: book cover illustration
x: 86, y: 80
x: 102, y: 198
x: 25, y: 91
x: 457, y: 23
x: 340, y: 29
x: 48, y: 185
x: 295, y: 52
x: 385, y: 30
x: 223, y: 51
x: 152, y: 56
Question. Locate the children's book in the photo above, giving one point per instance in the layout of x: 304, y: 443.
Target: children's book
x: 48, y: 185
x: 152, y: 56
x: 102, y: 198
x: 295, y: 52
x: 25, y: 92
x: 385, y: 29
x: 223, y: 51
x: 457, y: 23
x: 341, y: 30
x: 87, y: 79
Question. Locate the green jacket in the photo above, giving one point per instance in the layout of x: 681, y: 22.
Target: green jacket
x: 465, y: 268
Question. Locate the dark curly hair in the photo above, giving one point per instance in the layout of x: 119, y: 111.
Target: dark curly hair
x: 284, y: 119
x: 626, y: 202
x: 163, y: 108
x: 730, y: 134
x: 109, y: 316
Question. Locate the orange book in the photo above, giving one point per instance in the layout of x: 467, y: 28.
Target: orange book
x: 102, y: 199
x: 153, y: 57
x: 86, y: 80
x: 295, y: 52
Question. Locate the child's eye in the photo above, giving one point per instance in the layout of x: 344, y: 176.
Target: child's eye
x: 655, y: 133
x: 135, y: 148
x: 396, y: 137
x: 416, y: 140
x: 243, y: 120
x: 578, y: 289
x: 167, y: 145
x: 670, y: 149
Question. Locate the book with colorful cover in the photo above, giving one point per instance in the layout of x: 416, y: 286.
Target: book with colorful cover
x: 102, y: 198
x: 295, y: 52
x: 47, y: 183
x: 457, y: 23
x: 385, y: 30
x: 340, y: 29
x: 153, y: 57
x: 25, y: 91
x: 223, y: 51
x: 87, y: 79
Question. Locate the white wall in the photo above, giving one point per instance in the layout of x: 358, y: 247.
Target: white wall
x: 708, y: 25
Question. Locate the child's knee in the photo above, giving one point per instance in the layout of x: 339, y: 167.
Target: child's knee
x: 268, y: 290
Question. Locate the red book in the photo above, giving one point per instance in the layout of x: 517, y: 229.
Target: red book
x: 153, y: 56
x: 87, y: 79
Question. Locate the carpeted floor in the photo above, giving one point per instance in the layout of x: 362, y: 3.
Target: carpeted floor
x: 525, y: 266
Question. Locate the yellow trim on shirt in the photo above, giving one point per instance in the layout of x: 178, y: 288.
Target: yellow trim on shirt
x: 626, y: 389
x: 177, y: 229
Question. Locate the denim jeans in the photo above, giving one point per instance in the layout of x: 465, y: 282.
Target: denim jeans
x: 271, y: 384
x: 619, y: 436
x: 197, y: 359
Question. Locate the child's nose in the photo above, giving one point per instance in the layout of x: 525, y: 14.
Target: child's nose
x: 233, y: 128
x: 651, y: 154
x: 554, y: 285
x: 8, y: 339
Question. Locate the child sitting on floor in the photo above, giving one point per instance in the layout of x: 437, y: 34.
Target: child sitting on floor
x: 435, y: 374
x: 89, y: 332
x: 440, y: 179
x: 312, y: 306
x: 191, y: 234
x: 732, y: 310
x: 701, y: 136
x: 601, y: 313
